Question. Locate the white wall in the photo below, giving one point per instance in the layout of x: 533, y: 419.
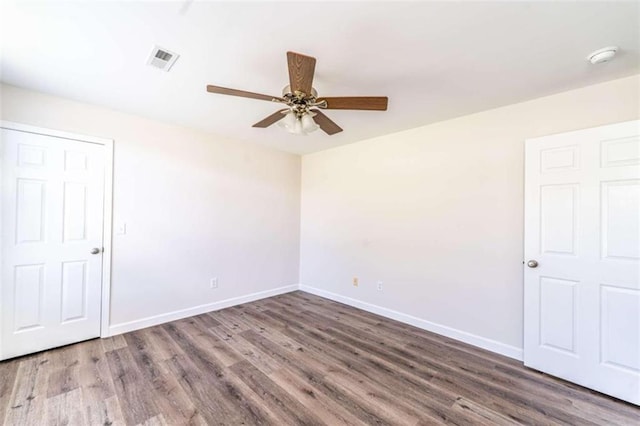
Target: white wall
x: 436, y: 213
x: 196, y: 206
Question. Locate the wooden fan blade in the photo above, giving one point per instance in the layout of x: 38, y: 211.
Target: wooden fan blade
x: 371, y: 103
x: 301, y: 69
x: 276, y: 116
x: 233, y: 92
x: 328, y: 126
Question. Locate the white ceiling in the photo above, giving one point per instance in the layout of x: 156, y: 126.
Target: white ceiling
x: 434, y: 60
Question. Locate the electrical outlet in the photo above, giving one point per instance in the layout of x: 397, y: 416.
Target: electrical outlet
x: 379, y: 285
x: 213, y: 282
x: 355, y: 281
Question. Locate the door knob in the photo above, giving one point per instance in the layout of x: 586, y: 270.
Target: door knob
x: 532, y: 264
x: 95, y: 250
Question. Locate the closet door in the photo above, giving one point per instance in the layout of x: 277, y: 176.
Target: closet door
x: 582, y: 265
x: 52, y: 225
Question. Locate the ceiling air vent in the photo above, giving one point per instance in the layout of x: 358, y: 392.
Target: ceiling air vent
x: 162, y: 58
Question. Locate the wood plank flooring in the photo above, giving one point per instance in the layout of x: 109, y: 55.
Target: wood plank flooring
x: 290, y: 360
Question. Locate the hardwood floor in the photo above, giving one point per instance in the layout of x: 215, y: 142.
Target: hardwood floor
x: 289, y: 360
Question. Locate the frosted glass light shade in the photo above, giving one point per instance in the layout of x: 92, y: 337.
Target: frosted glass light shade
x: 289, y: 121
x: 308, y: 125
x: 299, y: 126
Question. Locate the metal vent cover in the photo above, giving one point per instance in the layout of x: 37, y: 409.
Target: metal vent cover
x: 162, y: 58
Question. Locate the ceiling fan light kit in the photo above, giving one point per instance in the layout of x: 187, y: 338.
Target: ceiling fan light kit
x: 299, y: 124
x: 298, y: 119
x: 302, y: 115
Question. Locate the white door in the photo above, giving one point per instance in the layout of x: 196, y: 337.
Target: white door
x: 52, y: 213
x: 582, y: 227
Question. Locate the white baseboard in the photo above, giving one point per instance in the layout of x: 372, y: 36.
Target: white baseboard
x: 196, y: 310
x: 463, y: 336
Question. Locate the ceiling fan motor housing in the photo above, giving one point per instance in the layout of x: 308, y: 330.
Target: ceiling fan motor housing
x: 299, y: 102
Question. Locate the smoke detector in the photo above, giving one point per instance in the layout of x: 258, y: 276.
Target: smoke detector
x: 602, y: 55
x: 162, y: 58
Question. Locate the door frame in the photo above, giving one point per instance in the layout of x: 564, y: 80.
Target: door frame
x: 105, y: 296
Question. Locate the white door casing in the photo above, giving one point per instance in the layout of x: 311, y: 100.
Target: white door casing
x: 582, y: 226
x: 53, y: 205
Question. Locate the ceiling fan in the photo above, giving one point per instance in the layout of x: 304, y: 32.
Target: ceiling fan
x: 302, y: 114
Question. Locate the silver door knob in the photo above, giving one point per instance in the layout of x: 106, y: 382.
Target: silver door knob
x: 532, y: 264
x: 95, y: 250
